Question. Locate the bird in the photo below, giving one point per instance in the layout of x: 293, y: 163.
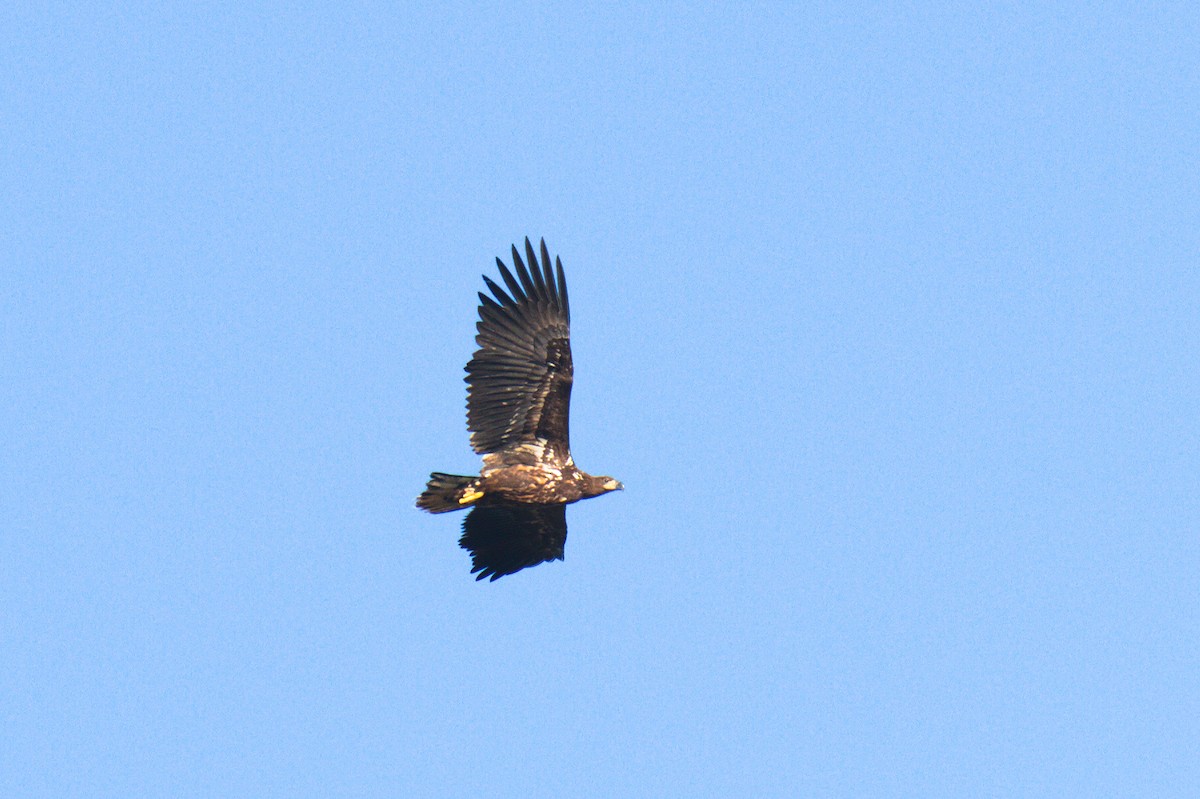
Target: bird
x: 518, y: 409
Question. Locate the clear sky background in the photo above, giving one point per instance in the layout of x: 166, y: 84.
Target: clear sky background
x: 888, y: 317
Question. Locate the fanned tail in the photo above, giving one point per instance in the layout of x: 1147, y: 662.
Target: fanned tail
x: 447, y: 492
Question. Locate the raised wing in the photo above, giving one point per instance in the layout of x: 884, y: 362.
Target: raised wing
x: 520, y: 377
x: 505, y: 538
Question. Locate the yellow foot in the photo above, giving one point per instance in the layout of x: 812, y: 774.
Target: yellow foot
x: 469, y: 496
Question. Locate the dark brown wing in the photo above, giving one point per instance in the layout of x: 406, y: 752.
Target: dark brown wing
x: 505, y: 538
x: 520, y: 377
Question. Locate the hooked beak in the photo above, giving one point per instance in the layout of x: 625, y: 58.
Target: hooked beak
x: 614, y: 485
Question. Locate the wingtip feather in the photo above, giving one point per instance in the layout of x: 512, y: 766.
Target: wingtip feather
x: 562, y: 289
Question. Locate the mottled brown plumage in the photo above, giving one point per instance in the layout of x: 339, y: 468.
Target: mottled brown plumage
x: 518, y: 409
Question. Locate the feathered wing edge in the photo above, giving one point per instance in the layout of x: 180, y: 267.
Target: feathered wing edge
x: 523, y: 367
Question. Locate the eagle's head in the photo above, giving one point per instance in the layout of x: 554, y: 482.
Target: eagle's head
x: 595, y: 485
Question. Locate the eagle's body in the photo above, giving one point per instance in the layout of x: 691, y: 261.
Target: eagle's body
x: 518, y: 405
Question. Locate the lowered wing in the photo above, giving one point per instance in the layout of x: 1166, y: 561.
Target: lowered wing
x: 504, y: 538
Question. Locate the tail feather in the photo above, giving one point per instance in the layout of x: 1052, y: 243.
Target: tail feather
x: 447, y: 492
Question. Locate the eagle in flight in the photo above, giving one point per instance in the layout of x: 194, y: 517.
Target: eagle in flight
x: 518, y: 402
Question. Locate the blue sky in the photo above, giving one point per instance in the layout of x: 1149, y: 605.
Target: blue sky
x: 886, y: 315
